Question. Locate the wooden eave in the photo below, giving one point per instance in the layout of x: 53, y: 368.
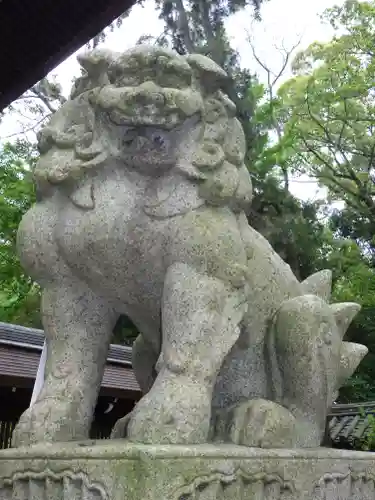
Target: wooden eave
x: 37, y: 36
x: 20, y: 350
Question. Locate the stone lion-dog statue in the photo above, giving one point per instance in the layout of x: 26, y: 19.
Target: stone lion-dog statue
x: 142, y: 197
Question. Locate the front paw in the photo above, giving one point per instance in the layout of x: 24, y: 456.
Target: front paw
x: 258, y: 423
x: 175, y: 411
x: 120, y: 429
x: 50, y: 421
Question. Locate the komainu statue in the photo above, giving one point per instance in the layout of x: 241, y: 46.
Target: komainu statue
x: 142, y: 195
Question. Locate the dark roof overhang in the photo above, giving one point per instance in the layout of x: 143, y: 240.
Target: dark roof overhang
x: 37, y: 36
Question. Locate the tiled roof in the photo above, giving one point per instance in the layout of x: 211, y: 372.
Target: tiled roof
x: 30, y: 338
x: 20, y: 350
x: 348, y: 424
x: 23, y: 365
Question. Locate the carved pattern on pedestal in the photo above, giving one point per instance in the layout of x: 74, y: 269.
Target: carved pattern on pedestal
x: 237, y: 486
x: 348, y: 486
x: 64, y: 485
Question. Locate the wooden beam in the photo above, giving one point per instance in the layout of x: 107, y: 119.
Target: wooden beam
x: 37, y: 36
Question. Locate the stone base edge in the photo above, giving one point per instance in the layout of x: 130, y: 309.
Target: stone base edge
x: 117, y: 470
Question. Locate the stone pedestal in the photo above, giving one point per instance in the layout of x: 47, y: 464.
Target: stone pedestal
x: 116, y: 470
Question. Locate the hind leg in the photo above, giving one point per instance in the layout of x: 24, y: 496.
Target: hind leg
x: 200, y: 315
x: 144, y: 359
x: 304, y: 348
x: 302, y: 359
x: 242, y: 378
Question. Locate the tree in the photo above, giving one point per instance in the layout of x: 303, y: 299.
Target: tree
x: 19, y: 295
x: 33, y: 108
x: 329, y: 110
x: 328, y: 114
x: 355, y: 281
x: 292, y: 226
x: 197, y: 26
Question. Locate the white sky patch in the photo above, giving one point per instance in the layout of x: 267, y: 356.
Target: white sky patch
x: 284, y: 22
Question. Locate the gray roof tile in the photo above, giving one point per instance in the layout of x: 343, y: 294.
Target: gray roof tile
x: 349, y: 423
x: 31, y: 338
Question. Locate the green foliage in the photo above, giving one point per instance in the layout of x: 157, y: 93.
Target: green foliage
x: 367, y: 442
x: 357, y: 283
x: 328, y: 107
x: 294, y: 228
x: 19, y: 296
x: 124, y: 332
x: 327, y: 113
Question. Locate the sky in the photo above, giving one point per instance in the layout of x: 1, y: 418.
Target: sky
x: 284, y: 23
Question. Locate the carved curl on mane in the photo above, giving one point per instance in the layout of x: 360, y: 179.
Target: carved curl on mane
x: 151, y: 86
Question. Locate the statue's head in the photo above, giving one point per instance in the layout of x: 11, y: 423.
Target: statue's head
x: 152, y: 111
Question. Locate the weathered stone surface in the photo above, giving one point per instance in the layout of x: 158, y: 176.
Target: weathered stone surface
x: 143, y: 192
x: 64, y: 485
x: 114, y: 470
x: 260, y: 423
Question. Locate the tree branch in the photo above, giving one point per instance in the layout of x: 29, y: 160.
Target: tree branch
x: 183, y: 25
x: 271, y: 83
x: 43, y: 98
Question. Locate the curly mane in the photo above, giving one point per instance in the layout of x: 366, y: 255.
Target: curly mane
x: 151, y: 86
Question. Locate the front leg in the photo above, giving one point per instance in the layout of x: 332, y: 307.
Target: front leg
x: 78, y: 326
x: 200, y: 317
